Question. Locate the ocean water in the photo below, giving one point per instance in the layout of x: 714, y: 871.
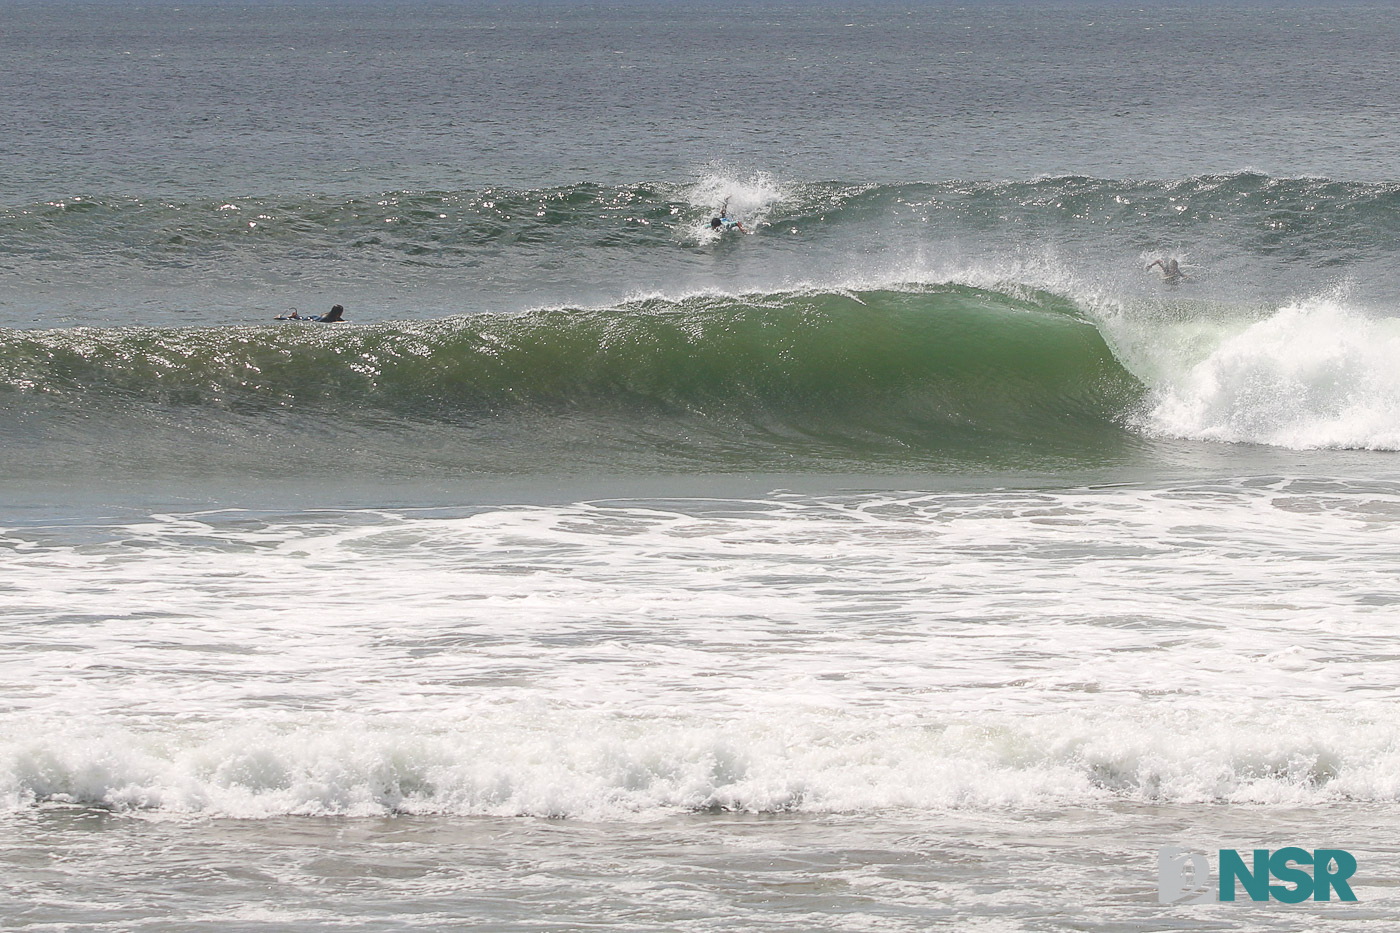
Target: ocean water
x: 924, y: 559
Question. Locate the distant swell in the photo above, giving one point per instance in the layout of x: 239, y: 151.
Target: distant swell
x: 1282, y: 217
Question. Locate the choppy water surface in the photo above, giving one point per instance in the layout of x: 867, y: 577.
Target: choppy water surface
x: 923, y: 559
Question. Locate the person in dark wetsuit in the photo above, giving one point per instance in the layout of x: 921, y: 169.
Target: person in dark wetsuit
x: 1171, y: 270
x: 336, y: 315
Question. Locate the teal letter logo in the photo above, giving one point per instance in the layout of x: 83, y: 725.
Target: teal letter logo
x: 1324, y: 878
x: 1255, y: 882
x: 1302, y: 881
x: 1331, y: 869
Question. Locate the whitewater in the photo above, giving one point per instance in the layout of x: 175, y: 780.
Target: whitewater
x: 923, y: 559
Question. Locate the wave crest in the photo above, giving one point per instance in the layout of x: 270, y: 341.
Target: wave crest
x: 921, y: 369
x: 1314, y: 374
x: 593, y: 767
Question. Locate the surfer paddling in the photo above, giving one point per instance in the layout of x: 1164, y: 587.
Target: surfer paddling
x: 336, y: 315
x: 724, y: 222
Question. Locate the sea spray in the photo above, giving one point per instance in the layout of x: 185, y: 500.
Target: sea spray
x: 1318, y: 373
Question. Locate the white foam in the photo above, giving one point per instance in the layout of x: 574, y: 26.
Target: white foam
x: 560, y: 763
x: 627, y: 659
x: 1315, y: 374
x: 748, y: 197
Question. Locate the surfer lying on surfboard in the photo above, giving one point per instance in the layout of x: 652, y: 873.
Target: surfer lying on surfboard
x: 724, y: 222
x: 336, y: 315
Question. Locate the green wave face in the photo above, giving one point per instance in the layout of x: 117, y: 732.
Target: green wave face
x: 729, y: 382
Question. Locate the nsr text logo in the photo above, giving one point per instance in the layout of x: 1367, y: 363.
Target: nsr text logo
x: 1182, y: 875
